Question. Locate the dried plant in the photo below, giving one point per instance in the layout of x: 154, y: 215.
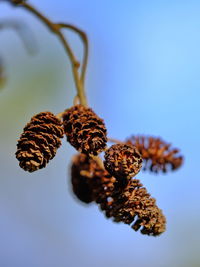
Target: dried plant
x: 124, y: 200
x: 97, y: 183
x: 158, y: 155
x: 85, y: 130
x: 110, y: 184
x: 123, y: 161
x: 133, y: 205
x: 39, y: 142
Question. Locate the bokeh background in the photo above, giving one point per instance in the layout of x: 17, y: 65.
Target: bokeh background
x: 143, y: 77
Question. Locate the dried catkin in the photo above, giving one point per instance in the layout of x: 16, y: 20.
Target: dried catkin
x: 85, y: 130
x: 158, y: 156
x: 123, y: 161
x: 39, y: 142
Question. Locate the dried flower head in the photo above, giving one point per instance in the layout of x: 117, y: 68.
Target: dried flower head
x: 133, y: 205
x: 158, y: 156
x: 122, y: 161
x: 39, y: 142
x: 85, y: 130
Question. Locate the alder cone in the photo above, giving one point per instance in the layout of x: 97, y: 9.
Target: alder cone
x: 122, y: 161
x: 158, y: 156
x: 39, y: 142
x: 133, y: 205
x: 90, y: 182
x: 85, y: 130
x: 82, y: 170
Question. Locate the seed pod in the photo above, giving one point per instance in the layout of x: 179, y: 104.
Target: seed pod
x: 39, y: 142
x: 133, y: 205
x: 122, y: 161
x: 158, y: 156
x: 90, y: 182
x: 85, y: 130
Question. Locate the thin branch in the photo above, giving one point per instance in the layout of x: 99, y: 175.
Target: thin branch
x: 112, y: 140
x: 84, y: 39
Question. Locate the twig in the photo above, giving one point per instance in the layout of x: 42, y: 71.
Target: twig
x: 112, y: 140
x: 84, y: 38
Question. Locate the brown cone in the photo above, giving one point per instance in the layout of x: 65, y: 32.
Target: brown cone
x: 82, y: 170
x: 39, y: 141
x: 85, y: 130
x: 133, y: 205
x: 158, y: 156
x: 89, y: 181
x: 122, y: 161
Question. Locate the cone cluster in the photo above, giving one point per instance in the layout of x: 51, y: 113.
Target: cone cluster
x: 158, y: 156
x: 41, y: 137
x: 39, y: 142
x: 124, y: 201
x: 110, y: 183
x: 112, y: 186
x: 85, y: 130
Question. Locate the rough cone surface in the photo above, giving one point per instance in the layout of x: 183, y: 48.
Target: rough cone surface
x: 39, y: 142
x: 158, y: 156
x: 85, y: 130
x: 123, y: 161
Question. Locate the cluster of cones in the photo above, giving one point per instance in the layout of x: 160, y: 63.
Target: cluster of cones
x: 125, y: 200
x: 111, y: 183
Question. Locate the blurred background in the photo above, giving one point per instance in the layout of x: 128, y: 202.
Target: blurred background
x: 143, y: 77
